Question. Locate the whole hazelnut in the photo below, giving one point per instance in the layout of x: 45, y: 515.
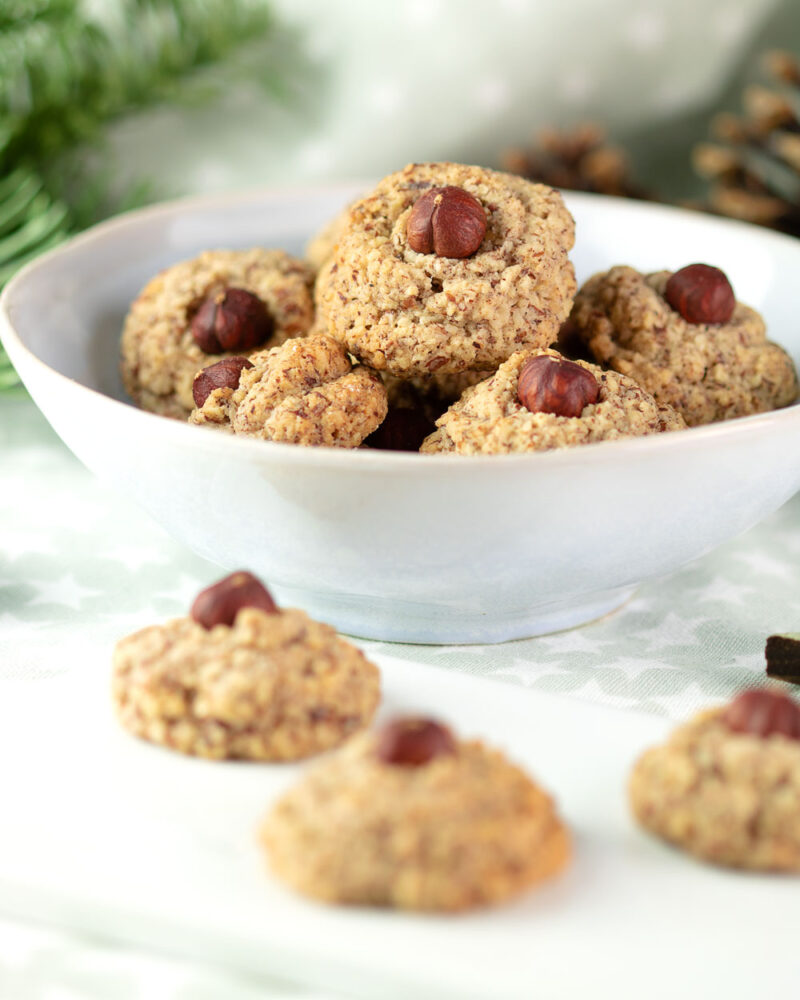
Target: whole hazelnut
x: 762, y: 712
x: 412, y: 742
x: 701, y: 294
x: 222, y: 374
x: 447, y: 221
x: 555, y: 385
x: 231, y: 320
x: 220, y: 603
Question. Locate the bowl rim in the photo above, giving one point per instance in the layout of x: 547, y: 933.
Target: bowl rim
x: 352, y: 459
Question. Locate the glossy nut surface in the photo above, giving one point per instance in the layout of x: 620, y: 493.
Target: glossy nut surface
x: 220, y: 603
x: 412, y: 742
x: 222, y: 374
x: 447, y: 221
x: 762, y: 712
x: 555, y: 385
x: 232, y: 320
x: 701, y: 293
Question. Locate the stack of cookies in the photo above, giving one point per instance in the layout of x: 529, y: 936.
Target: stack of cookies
x: 439, y: 313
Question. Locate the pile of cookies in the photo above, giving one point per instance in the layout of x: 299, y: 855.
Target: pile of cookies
x: 408, y: 814
x: 440, y: 313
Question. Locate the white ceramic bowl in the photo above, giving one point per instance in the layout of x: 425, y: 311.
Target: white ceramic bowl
x: 401, y: 546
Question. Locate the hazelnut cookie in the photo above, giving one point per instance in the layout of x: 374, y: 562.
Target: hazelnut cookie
x: 411, y: 817
x: 537, y: 400
x: 446, y: 268
x: 685, y: 339
x: 726, y: 785
x: 221, y: 303
x: 305, y: 392
x: 242, y: 678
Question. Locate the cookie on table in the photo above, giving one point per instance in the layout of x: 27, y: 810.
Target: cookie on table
x: 307, y: 392
x: 218, y: 304
x: 412, y: 817
x: 538, y: 400
x: 685, y: 339
x: 241, y: 678
x: 726, y: 786
x: 447, y: 268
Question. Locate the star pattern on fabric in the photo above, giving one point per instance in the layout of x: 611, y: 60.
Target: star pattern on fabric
x: 64, y: 591
x: 722, y: 589
x: 762, y: 564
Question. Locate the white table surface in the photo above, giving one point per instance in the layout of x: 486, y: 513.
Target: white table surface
x: 80, y: 565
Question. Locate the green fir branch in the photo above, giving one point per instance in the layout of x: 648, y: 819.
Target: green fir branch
x: 66, y: 73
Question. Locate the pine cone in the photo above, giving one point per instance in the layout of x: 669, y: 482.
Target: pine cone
x: 754, y: 161
x: 579, y: 160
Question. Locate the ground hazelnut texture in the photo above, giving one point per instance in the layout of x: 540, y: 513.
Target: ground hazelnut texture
x: 413, y: 313
x: 490, y: 418
x: 466, y: 829
x: 708, y: 372
x: 272, y: 686
x: 160, y: 357
x: 729, y: 798
x: 305, y: 392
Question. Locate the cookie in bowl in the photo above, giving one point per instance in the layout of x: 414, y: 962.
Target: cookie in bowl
x: 411, y: 816
x: 726, y: 785
x: 448, y: 268
x: 307, y: 392
x: 219, y: 304
x: 684, y: 338
x: 538, y: 400
x: 240, y: 678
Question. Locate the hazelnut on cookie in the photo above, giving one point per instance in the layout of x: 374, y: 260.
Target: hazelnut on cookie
x: 448, y: 268
x: 220, y: 304
x: 684, y: 338
x: 538, y: 400
x: 242, y: 678
x: 307, y: 391
x: 412, y: 817
x: 725, y: 787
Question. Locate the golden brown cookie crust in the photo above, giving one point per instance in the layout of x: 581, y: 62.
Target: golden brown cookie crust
x: 729, y: 798
x: 464, y: 830
x: 490, y: 420
x: 269, y: 687
x: 706, y: 372
x: 304, y: 392
x: 159, y: 355
x: 412, y: 313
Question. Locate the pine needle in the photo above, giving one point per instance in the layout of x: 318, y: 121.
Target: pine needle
x: 66, y: 73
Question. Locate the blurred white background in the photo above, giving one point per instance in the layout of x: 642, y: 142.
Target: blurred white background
x: 377, y: 83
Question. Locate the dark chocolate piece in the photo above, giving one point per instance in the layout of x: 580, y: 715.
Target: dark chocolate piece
x: 783, y: 657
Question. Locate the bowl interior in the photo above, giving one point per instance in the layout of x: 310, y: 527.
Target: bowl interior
x: 68, y: 308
